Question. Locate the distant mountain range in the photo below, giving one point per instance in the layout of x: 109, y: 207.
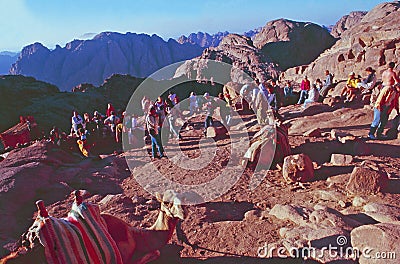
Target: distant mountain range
x: 94, y: 60
x: 6, y: 60
x: 206, y: 40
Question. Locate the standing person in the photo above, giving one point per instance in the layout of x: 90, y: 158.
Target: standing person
x: 313, y: 96
x: 209, y: 106
x: 145, y: 104
x: 328, y: 84
x: 388, y: 100
x: 254, y: 94
x: 224, y: 110
x: 77, y: 122
x: 244, y: 96
x: 110, y: 109
x: 193, y: 103
x: 265, y: 100
x: 152, y: 123
x: 172, y: 115
x: 304, y: 88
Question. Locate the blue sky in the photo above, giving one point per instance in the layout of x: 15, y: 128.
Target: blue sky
x: 52, y: 22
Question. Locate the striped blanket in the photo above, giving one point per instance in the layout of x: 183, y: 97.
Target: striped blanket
x: 82, y: 237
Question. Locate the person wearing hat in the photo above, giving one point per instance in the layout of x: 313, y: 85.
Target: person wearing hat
x: 351, y: 88
x: 304, y: 88
x: 368, y: 83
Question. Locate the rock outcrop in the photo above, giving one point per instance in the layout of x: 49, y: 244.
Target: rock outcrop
x: 290, y: 43
x: 374, y: 41
x: 347, y: 22
x: 235, y: 50
x: 92, y: 61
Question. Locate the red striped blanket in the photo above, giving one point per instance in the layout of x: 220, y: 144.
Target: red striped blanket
x: 82, y: 237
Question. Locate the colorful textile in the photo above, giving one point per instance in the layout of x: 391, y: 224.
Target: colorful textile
x: 82, y: 237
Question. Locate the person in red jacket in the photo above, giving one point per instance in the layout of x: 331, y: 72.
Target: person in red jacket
x: 110, y: 109
x: 304, y: 88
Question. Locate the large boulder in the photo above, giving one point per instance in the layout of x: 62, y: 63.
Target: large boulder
x: 366, y: 181
x: 298, y: 168
x: 379, y: 243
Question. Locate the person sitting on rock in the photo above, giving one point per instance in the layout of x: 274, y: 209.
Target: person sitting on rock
x: 304, y: 88
x: 83, y: 144
x: 112, y: 122
x: 171, y: 96
x: 350, y: 90
x: 77, y: 122
x: 328, y: 84
x: 55, y: 136
x: 368, y: 83
x: 313, y: 96
x: 318, y: 84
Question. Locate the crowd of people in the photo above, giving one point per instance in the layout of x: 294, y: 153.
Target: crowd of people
x: 263, y: 98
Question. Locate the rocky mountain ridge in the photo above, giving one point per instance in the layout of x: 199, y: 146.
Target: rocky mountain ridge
x: 92, y: 61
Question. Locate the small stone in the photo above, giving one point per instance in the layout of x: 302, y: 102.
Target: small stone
x: 252, y: 215
x: 359, y: 201
x: 341, y: 159
x: 346, y: 139
x: 342, y: 204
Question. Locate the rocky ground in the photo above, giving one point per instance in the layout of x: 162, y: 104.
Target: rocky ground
x: 239, y: 225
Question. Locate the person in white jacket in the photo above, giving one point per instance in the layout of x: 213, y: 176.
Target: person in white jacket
x: 313, y: 96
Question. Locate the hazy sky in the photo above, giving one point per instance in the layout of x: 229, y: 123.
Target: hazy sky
x: 51, y: 22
